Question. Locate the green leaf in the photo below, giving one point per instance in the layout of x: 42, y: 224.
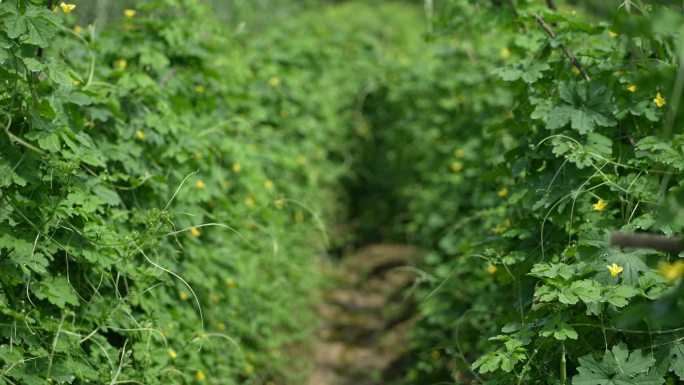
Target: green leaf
x: 618, y: 295
x: 560, y: 330
x: 552, y: 270
x: 38, y: 25
x: 56, y: 290
x: 618, y: 367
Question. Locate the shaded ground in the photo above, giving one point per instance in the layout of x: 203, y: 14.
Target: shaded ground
x: 366, y: 317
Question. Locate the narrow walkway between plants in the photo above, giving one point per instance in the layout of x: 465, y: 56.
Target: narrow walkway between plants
x: 366, y: 317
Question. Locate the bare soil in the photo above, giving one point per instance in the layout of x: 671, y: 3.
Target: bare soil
x: 366, y: 316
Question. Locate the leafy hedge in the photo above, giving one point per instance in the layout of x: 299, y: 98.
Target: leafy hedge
x: 523, y: 138
x: 165, y: 184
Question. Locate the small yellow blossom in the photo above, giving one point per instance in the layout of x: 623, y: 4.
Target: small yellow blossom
x: 659, y: 100
x: 457, y: 166
x: 575, y: 70
x: 140, y: 135
x: 249, y: 201
x: 129, y: 12
x: 274, y: 81
x: 121, y: 64
x: 221, y: 326
x: 505, y: 53
x: 459, y: 154
x: 75, y: 82
x: 67, y: 8
x: 301, y: 159
x: 503, y: 192
x: 268, y: 184
x: 194, y: 232
x: 199, y: 89
x: 600, y: 205
x: 612, y: 34
x: 491, y: 269
x: 183, y: 295
x: 249, y: 369
x: 215, y: 298
x: 172, y: 353
x: 672, y: 271
x: 237, y: 167
x: 198, y: 155
x: 614, y: 269
x: 230, y: 282
x: 200, y: 375
x: 78, y: 29
x: 299, y: 217
x: 502, y: 227
x: 632, y: 88
x: 200, y: 185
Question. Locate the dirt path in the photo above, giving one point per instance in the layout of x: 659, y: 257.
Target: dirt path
x: 365, y: 317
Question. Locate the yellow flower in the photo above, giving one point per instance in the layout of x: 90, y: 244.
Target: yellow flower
x: 459, y: 154
x: 672, y: 271
x: 457, y: 166
x: 249, y: 201
x: 140, y: 135
x: 200, y: 376
x: 67, y: 8
x: 659, y: 100
x: 200, y: 185
x: 221, y: 326
x: 491, y: 269
x: 249, y: 369
x: 198, y: 155
x: 75, y: 82
x: 199, y: 89
x: 121, y: 64
x: 215, y: 298
x: 183, y: 295
x: 237, y: 167
x: 612, y: 34
x: 230, y: 282
x: 274, y: 81
x: 78, y: 29
x: 631, y: 88
x: 502, y: 227
x: 194, y: 232
x: 299, y: 217
x: 301, y: 159
x: 600, y: 205
x: 129, y: 12
x: 505, y: 53
x: 503, y: 192
x: 614, y: 269
x: 268, y: 184
x: 172, y: 353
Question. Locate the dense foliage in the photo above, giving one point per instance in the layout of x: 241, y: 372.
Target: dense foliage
x: 168, y: 181
x: 165, y: 186
x: 527, y: 136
